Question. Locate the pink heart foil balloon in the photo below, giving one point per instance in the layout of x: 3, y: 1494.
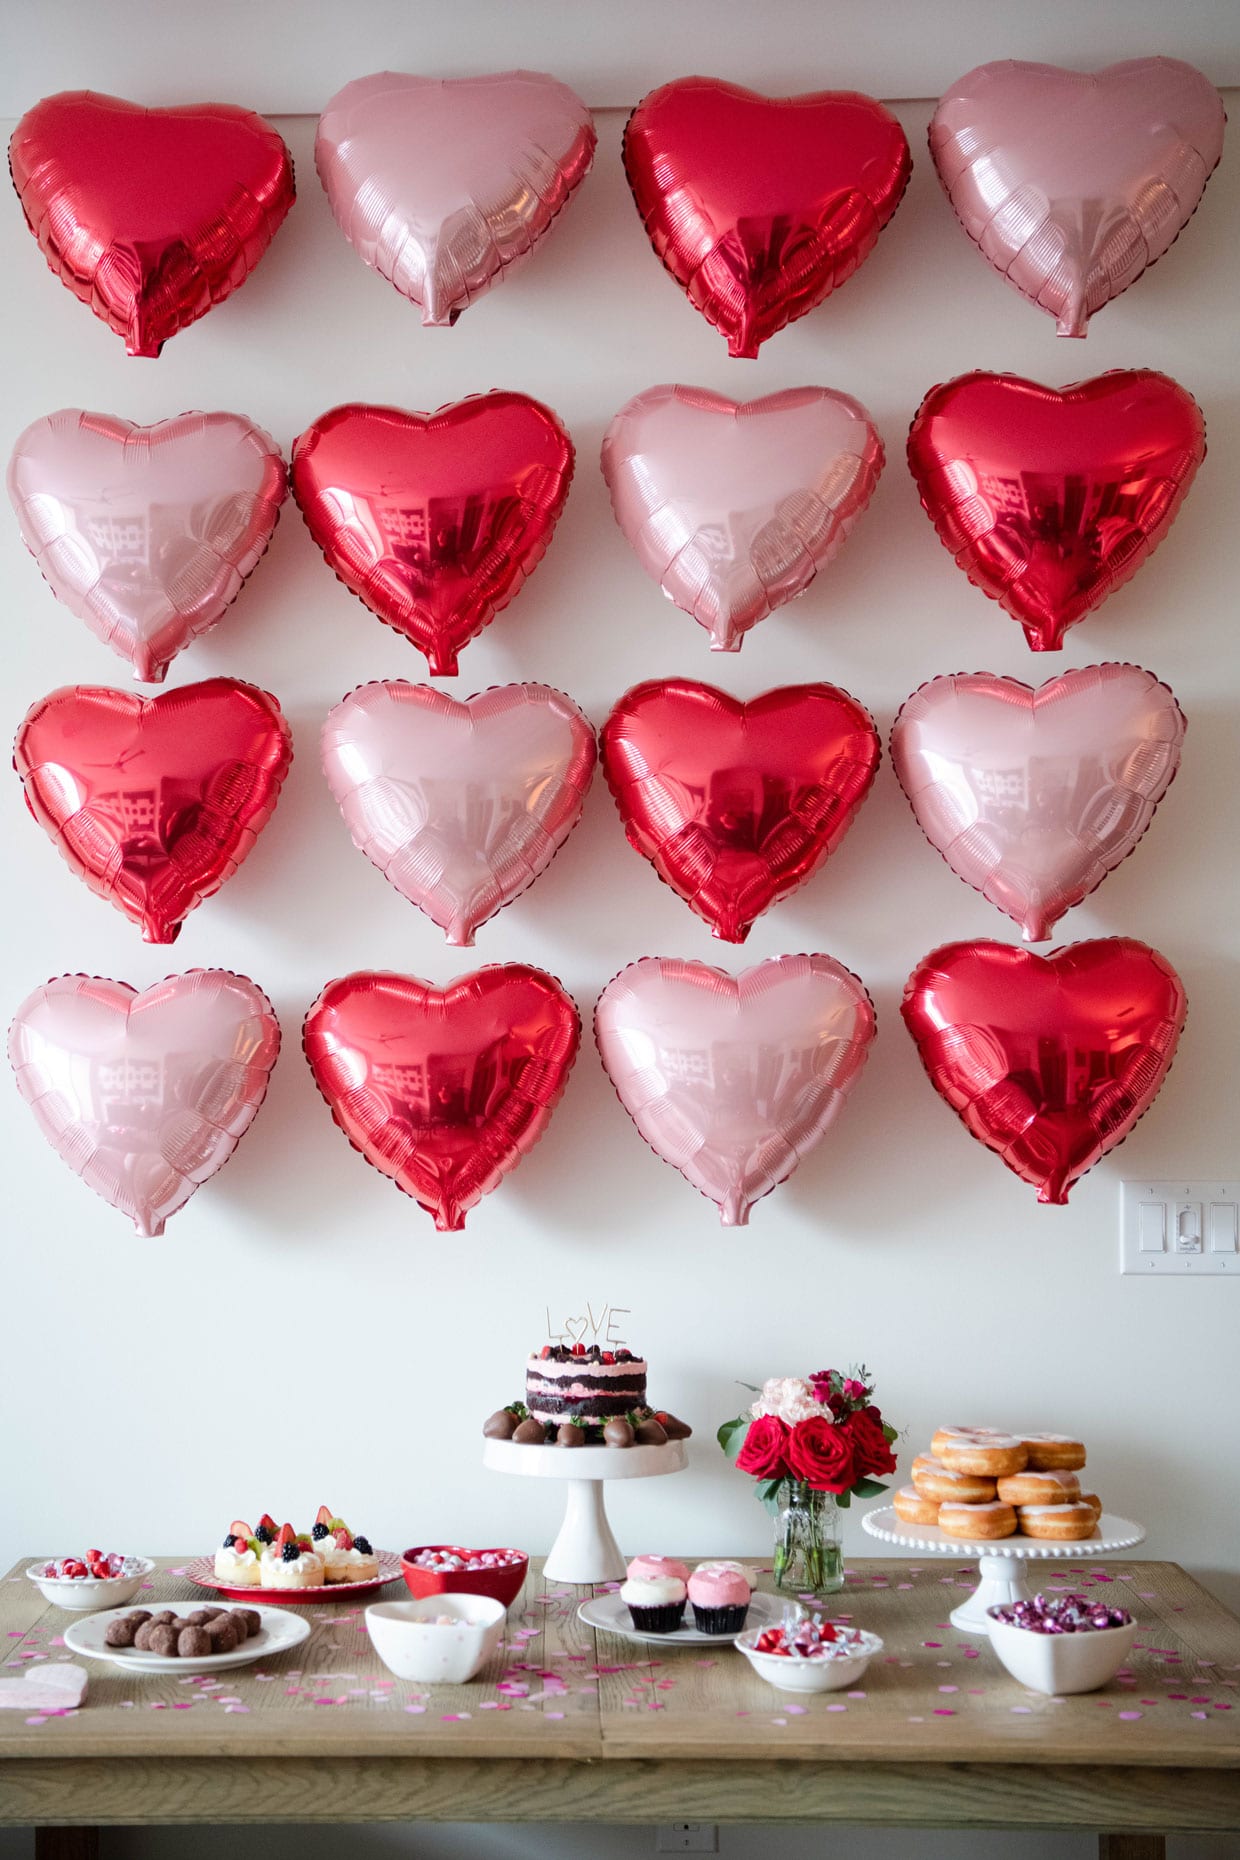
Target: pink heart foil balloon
x: 145, y: 1095
x: 734, y: 506
x: 146, y: 532
x: 443, y: 185
x: 734, y: 1080
x: 460, y: 803
x: 1072, y: 182
x: 1033, y: 796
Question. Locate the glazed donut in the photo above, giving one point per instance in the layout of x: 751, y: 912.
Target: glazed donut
x: 1094, y: 1502
x: 978, y: 1522
x: 1054, y: 1452
x: 979, y: 1450
x: 913, y: 1508
x: 936, y: 1481
x: 1039, y: 1488
x: 1059, y: 1523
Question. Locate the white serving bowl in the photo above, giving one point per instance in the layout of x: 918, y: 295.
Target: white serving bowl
x: 83, y: 1594
x: 410, y: 1644
x: 1061, y: 1663
x: 789, y: 1674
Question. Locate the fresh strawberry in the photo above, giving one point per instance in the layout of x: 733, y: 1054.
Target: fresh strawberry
x: 322, y: 1515
x: 343, y: 1540
x: 609, y: 1356
x: 287, y: 1535
x: 239, y: 1528
x: 268, y: 1521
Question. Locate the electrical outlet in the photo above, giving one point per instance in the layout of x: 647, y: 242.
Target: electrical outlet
x: 1180, y: 1227
x: 687, y: 1837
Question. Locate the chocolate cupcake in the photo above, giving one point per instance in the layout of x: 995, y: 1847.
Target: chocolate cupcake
x: 655, y: 1602
x: 720, y: 1597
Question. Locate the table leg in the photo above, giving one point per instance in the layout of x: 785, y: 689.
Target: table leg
x: 1132, y: 1847
x: 66, y: 1844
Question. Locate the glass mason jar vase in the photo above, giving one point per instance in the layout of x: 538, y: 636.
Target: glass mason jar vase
x: 808, y: 1556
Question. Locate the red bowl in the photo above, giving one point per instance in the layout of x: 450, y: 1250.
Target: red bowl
x: 503, y: 1584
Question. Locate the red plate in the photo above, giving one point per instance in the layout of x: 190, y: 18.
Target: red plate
x: 202, y: 1571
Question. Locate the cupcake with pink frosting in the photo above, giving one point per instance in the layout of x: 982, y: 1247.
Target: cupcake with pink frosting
x: 719, y: 1595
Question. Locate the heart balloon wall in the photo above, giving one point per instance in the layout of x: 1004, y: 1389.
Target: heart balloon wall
x: 1048, y: 1060
x: 149, y: 216
x: 443, y: 1089
x: 434, y: 520
x: 1072, y: 182
x: 760, y: 206
x: 734, y: 1081
x: 444, y: 185
x: 1033, y: 796
x: 1049, y: 498
x: 145, y: 1095
x: 154, y: 801
x: 733, y: 507
x: 736, y: 805
x: 460, y: 805
x: 146, y: 532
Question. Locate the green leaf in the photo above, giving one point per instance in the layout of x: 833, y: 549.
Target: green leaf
x: 844, y: 1499
x: 890, y: 1433
x: 731, y: 1436
x: 868, y: 1488
x: 771, y: 1494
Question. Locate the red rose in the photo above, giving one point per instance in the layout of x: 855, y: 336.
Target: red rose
x: 821, y: 1454
x: 765, y: 1449
x: 871, y: 1452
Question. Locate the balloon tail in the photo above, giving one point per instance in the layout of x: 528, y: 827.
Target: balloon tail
x: 150, y: 1227
x: 449, y: 1217
x: 158, y: 930
x: 734, y: 1210
x: 1054, y: 1191
x: 459, y: 934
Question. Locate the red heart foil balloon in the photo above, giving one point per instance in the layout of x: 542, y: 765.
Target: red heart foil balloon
x: 1033, y: 796
x: 1048, y: 1060
x: 1072, y: 182
x: 736, y: 805
x: 761, y: 206
x: 145, y: 1095
x: 1051, y: 498
x: 460, y: 805
x: 146, y: 533
x: 443, y: 1089
x: 149, y: 216
x: 733, y: 1080
x: 434, y: 520
x: 154, y: 801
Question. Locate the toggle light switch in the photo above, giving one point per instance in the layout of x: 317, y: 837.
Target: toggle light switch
x: 1224, y: 1227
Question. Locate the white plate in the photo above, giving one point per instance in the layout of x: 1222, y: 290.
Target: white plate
x: 279, y: 1631
x: 610, y: 1614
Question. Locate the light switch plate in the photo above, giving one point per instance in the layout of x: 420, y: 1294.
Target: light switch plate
x: 1180, y: 1227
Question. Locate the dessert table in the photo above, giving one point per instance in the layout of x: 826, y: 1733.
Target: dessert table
x: 570, y: 1724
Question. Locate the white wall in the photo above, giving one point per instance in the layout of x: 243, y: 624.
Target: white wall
x: 900, y: 1241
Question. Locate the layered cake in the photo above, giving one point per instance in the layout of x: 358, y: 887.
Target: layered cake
x: 579, y: 1395
x: 572, y: 1382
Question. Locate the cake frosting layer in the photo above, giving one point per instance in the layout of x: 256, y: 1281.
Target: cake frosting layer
x: 588, y: 1384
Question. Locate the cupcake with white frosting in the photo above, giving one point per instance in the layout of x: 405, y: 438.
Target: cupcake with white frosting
x: 655, y: 1593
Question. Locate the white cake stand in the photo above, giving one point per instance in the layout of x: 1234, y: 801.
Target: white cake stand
x: 1000, y: 1562
x: 585, y: 1550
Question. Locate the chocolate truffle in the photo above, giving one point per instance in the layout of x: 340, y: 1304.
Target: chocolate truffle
x: 163, y: 1640
x: 142, y: 1638
x: 248, y: 1620
x: 120, y: 1633
x: 193, y: 1643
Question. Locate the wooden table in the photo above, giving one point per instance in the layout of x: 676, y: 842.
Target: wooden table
x: 572, y: 1725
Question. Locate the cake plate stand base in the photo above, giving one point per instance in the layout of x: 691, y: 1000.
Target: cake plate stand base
x: 1003, y: 1563
x: 585, y: 1550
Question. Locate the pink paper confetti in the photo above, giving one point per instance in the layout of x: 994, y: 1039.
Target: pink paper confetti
x: 1130, y: 1716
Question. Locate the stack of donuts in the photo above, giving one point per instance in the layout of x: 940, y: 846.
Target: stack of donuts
x: 979, y: 1484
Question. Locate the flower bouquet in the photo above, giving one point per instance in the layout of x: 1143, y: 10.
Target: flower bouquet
x: 811, y: 1443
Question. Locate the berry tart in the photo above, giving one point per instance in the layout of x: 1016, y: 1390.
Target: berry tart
x: 291, y: 1562
x: 237, y: 1559
x: 345, y: 1558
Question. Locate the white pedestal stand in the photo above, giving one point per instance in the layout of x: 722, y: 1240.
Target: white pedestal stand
x: 1001, y: 1564
x: 585, y: 1550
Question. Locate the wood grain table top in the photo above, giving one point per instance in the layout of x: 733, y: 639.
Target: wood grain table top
x: 558, y: 1693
